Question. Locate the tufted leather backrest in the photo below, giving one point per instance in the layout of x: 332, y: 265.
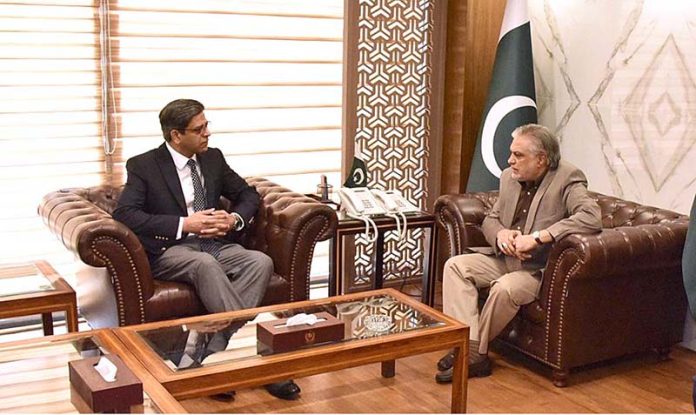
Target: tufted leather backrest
x: 276, y: 200
x: 615, y: 212
x: 106, y: 197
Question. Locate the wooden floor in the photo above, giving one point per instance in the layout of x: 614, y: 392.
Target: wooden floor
x: 637, y: 384
x: 634, y: 384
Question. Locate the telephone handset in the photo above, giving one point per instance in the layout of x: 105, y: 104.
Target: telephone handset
x: 360, y: 201
x: 396, y: 206
x: 394, y: 202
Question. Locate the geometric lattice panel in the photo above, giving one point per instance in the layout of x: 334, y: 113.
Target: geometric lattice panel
x: 393, y: 118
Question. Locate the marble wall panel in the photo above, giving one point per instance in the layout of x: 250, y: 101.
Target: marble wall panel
x: 616, y: 82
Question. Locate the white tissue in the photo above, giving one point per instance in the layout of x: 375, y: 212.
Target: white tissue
x: 300, y: 319
x: 106, y: 369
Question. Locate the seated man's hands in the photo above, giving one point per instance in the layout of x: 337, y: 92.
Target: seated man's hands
x: 209, y: 223
x: 524, y: 246
x: 506, y: 241
x: 221, y: 224
x: 513, y: 243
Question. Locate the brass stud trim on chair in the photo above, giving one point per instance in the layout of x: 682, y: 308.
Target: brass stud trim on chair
x: 117, y: 283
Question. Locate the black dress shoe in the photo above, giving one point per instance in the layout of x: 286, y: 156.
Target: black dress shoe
x: 476, y: 370
x: 287, y: 390
x: 446, y: 362
x: 224, y: 396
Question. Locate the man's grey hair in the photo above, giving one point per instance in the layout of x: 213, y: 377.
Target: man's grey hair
x: 544, y: 142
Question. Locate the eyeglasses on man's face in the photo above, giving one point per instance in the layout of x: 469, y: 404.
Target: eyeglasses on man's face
x: 200, y: 129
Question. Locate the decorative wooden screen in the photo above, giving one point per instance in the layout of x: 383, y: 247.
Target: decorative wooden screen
x: 393, y: 120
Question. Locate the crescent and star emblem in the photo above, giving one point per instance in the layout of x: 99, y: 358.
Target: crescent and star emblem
x: 358, y: 176
x: 498, y: 111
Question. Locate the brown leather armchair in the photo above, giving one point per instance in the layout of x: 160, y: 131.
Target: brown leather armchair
x: 602, y: 296
x: 118, y: 288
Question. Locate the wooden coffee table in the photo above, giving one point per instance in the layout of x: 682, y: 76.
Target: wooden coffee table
x: 34, y: 374
x: 36, y: 288
x: 203, y: 355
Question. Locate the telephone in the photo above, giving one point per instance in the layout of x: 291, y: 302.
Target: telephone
x: 365, y: 202
x: 393, y: 201
x: 396, y: 206
x: 361, y: 203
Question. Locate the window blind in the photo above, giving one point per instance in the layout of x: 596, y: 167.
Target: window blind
x: 83, y: 78
x: 268, y: 72
x: 50, y: 119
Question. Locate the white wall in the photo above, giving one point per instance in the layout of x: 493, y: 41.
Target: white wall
x: 615, y: 80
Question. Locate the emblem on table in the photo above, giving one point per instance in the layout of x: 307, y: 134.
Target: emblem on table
x: 309, y: 337
x: 377, y: 324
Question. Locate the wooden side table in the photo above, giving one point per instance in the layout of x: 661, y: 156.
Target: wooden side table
x: 350, y: 227
x: 36, y: 288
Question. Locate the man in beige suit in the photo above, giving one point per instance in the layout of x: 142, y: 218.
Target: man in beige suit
x: 542, y: 199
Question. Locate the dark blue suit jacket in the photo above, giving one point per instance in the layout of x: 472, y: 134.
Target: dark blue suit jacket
x: 152, y: 200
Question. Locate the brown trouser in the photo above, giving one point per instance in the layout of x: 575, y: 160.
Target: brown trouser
x: 465, y: 274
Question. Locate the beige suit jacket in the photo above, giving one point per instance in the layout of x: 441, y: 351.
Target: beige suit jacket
x: 561, y: 206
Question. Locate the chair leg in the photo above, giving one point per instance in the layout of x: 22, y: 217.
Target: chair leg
x: 560, y: 378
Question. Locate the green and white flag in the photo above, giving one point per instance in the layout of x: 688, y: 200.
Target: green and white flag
x: 511, y: 99
x: 357, y: 177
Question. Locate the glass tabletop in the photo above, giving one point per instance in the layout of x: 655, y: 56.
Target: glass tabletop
x: 18, y: 279
x: 35, y: 378
x: 218, y: 340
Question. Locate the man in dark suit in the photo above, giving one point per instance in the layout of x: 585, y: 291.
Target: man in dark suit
x: 170, y: 201
x: 542, y: 199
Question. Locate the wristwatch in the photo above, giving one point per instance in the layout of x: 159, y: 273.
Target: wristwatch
x: 239, y: 223
x: 537, y: 237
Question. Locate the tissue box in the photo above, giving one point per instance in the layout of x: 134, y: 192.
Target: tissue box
x: 275, y: 337
x: 103, y: 396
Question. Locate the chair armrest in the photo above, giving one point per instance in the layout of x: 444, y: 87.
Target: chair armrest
x: 612, y: 253
x: 100, y: 241
x: 622, y: 250
x: 287, y: 228
x: 643, y: 251
x: 461, y: 216
x: 594, y: 284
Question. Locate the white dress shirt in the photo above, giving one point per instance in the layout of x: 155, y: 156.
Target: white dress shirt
x: 184, y: 173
